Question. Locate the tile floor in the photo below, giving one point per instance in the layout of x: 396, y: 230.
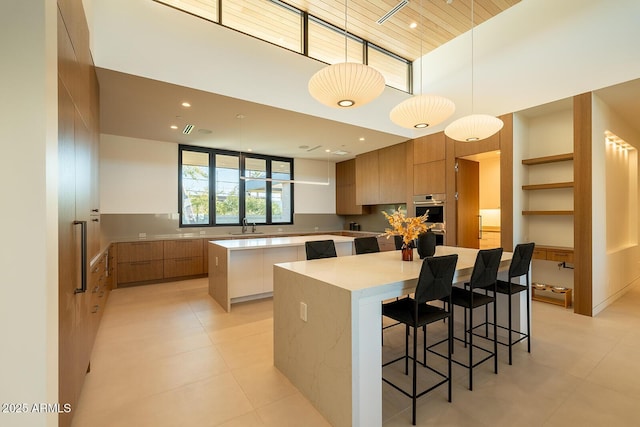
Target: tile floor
x: 168, y: 355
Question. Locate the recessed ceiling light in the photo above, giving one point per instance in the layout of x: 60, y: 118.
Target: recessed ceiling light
x: 174, y: 127
x: 249, y: 149
x: 186, y: 104
x: 362, y: 138
x: 413, y: 25
x: 327, y: 151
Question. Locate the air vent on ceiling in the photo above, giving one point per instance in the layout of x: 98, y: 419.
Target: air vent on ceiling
x: 314, y: 148
x: 392, y: 12
x: 340, y: 153
x: 187, y: 129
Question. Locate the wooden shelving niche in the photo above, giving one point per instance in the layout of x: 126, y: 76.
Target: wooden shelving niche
x: 548, y: 186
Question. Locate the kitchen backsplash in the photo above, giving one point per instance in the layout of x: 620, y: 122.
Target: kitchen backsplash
x: 133, y: 226
x: 373, y: 221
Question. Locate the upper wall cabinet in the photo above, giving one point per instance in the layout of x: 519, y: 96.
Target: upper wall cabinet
x: 429, y: 164
x: 367, y: 184
x: 346, y: 189
x: 381, y: 176
x: 392, y: 166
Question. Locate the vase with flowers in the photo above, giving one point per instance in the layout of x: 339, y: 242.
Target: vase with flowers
x: 409, y: 228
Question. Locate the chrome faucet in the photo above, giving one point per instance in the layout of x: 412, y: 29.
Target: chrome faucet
x: 244, y: 225
x: 253, y: 228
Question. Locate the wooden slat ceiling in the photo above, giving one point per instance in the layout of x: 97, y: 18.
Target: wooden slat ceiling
x: 442, y: 21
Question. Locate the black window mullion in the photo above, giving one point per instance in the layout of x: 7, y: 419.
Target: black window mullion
x: 213, y: 217
x: 242, y: 195
x: 269, y: 186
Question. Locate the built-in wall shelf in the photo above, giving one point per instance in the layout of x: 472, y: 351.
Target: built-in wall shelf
x: 547, y: 212
x: 549, y: 186
x: 548, y: 159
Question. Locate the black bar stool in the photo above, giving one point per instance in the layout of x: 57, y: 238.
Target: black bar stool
x: 434, y: 284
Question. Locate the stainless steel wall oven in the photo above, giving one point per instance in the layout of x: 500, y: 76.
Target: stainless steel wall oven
x: 435, y: 204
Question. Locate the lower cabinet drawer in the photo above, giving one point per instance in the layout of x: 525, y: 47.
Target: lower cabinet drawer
x: 178, y: 267
x: 140, y: 271
x: 539, y: 254
x: 561, y: 256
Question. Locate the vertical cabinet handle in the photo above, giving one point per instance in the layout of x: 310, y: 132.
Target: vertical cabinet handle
x: 480, y: 227
x: 83, y: 256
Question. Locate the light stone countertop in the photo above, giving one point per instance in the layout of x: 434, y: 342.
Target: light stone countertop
x: 363, y: 273
x: 268, y: 242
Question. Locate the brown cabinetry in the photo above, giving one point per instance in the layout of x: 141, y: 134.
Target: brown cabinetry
x: 381, y: 176
x: 367, y: 184
x: 429, y: 164
x: 553, y: 253
x: 392, y: 168
x: 78, y: 133
x: 346, y: 189
x: 183, y: 258
x: 140, y: 261
x: 150, y: 261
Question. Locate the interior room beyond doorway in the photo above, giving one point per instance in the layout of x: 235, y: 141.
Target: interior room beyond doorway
x: 487, y: 192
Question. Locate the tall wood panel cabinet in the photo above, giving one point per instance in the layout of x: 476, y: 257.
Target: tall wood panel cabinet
x: 346, y: 189
x: 381, y: 176
x: 82, y: 288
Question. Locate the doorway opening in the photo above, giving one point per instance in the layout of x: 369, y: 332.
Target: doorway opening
x: 478, y: 202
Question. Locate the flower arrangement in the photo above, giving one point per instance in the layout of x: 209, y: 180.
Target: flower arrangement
x: 407, y: 227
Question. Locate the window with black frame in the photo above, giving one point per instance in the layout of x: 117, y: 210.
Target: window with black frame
x: 218, y: 188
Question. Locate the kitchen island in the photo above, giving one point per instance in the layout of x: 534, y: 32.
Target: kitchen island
x: 327, y: 332
x: 242, y: 269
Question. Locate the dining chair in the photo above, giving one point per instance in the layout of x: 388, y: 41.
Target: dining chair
x: 398, y: 242
x: 318, y: 249
x: 366, y: 245
x: 483, y: 277
x: 434, y: 284
x: 520, y: 264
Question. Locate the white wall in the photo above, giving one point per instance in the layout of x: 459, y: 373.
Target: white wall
x: 535, y: 52
x: 615, y: 210
x: 139, y: 176
x: 152, y: 40
x: 315, y: 198
x: 548, y: 134
x: 29, y: 172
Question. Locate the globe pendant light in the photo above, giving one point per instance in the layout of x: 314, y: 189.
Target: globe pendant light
x: 475, y: 126
x: 346, y: 84
x: 424, y: 110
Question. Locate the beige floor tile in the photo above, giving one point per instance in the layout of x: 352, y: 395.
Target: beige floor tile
x: 594, y: 405
x: 119, y: 385
x: 263, y: 383
x: 248, y: 351
x: 208, y: 402
x: 252, y: 419
x: 240, y: 331
x: 292, y: 411
x: 168, y: 355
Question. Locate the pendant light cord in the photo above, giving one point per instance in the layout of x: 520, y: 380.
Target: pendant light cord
x: 345, y: 32
x: 422, y: 29
x: 472, y: 71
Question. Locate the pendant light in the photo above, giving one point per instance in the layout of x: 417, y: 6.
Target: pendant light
x: 476, y: 126
x: 346, y: 84
x: 424, y: 110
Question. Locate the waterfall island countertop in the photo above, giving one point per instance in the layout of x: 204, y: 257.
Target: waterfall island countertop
x: 242, y: 269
